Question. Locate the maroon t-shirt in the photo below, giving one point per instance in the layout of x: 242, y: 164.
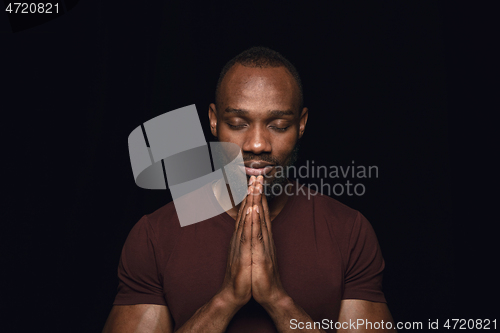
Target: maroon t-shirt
x: 325, y: 250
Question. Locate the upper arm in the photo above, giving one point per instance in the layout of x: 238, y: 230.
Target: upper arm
x: 140, y: 284
x: 375, y: 312
x: 144, y: 318
x: 365, y: 264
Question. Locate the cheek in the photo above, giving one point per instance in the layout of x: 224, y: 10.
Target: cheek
x: 230, y: 137
x: 226, y: 135
x: 283, y: 147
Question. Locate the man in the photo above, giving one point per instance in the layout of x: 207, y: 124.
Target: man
x: 293, y: 261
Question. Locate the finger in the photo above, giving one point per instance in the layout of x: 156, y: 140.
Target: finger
x: 267, y: 218
x: 263, y: 225
x: 242, y: 212
x: 267, y: 231
x: 258, y: 247
x: 257, y: 237
x: 260, y: 210
x: 237, y: 233
x: 246, y: 236
x: 257, y: 194
x: 239, y: 220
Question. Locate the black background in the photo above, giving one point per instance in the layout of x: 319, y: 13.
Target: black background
x: 399, y: 85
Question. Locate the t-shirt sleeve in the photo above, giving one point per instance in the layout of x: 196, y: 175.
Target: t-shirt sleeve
x: 139, y: 280
x: 365, y: 266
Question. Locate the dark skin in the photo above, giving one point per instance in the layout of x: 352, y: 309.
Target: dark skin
x: 258, y: 110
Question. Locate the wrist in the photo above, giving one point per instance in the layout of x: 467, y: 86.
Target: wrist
x: 226, y: 302
x: 279, y: 302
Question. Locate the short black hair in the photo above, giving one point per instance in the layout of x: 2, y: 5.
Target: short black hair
x: 262, y: 57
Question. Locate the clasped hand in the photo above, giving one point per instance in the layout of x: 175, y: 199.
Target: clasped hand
x: 251, y: 269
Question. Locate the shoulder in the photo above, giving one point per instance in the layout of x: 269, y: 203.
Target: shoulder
x: 155, y: 234
x: 161, y: 222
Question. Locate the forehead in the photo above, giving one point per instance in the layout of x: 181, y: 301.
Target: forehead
x: 254, y: 87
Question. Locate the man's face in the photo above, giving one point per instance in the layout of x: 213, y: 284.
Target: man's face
x: 259, y: 111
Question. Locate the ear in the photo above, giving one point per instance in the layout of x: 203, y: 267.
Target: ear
x: 212, y: 116
x: 303, y: 121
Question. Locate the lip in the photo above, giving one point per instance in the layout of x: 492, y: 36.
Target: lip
x: 257, y: 165
x: 258, y: 171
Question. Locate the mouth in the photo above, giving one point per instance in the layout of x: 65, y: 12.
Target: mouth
x: 258, y: 168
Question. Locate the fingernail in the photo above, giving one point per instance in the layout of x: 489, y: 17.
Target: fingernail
x: 252, y: 180
x: 249, y: 210
x: 256, y: 208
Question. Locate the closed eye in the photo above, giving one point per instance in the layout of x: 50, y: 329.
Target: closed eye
x: 279, y: 129
x: 235, y: 126
x: 274, y: 128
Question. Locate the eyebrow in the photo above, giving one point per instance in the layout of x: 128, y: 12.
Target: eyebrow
x: 275, y: 113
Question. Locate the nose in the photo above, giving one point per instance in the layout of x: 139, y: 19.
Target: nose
x: 257, y: 141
